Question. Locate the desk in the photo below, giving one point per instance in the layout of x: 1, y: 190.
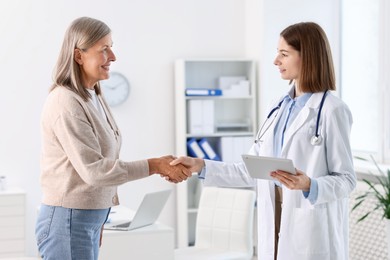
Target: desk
x: 151, y: 242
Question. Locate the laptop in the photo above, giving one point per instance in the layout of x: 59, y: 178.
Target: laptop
x: 146, y: 214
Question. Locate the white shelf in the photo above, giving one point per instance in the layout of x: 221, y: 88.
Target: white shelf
x: 219, y: 97
x: 220, y: 134
x: 236, y: 115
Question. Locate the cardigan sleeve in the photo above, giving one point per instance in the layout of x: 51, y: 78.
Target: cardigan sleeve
x: 82, y: 148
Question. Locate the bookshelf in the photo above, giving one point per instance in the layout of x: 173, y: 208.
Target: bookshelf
x: 230, y: 125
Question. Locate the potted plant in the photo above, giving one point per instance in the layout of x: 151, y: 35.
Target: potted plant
x: 380, y: 190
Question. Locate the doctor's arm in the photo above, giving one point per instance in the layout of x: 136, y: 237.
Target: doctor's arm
x: 217, y: 173
x: 341, y: 178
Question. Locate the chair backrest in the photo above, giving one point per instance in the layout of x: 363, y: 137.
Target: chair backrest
x: 225, y: 219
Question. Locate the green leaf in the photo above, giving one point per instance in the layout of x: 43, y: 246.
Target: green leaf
x: 382, y: 198
x: 360, y: 158
x: 361, y: 196
x: 357, y: 205
x: 364, y: 216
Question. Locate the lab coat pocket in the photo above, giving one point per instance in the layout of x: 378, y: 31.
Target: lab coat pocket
x: 309, y: 231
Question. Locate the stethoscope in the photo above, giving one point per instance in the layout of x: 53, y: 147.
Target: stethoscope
x: 316, y: 139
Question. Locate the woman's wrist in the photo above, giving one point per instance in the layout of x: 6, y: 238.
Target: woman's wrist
x: 153, y: 165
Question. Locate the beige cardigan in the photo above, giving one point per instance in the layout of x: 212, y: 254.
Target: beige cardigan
x: 80, y: 150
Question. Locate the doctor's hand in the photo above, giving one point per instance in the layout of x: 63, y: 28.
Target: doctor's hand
x: 192, y: 164
x: 175, y: 174
x: 300, y: 181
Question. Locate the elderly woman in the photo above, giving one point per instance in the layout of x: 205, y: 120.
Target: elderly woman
x: 80, y: 162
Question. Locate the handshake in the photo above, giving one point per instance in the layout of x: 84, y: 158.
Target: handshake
x: 175, y: 169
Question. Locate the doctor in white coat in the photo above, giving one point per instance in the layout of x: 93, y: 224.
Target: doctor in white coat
x: 310, y: 126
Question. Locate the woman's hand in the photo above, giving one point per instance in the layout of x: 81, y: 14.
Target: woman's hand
x: 299, y: 181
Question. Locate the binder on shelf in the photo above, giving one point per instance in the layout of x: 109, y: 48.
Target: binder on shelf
x: 200, y: 116
x: 233, y: 147
x: 203, y: 92
x: 208, y: 150
x: 195, y: 116
x: 194, y: 149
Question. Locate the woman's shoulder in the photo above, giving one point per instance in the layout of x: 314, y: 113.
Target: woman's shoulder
x: 64, y: 93
x: 62, y: 99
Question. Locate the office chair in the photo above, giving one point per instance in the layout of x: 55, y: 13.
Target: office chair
x: 224, y: 225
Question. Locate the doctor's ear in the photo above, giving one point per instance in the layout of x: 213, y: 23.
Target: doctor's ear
x: 78, y: 56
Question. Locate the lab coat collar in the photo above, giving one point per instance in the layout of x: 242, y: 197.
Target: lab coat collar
x: 306, y: 113
x: 315, y: 100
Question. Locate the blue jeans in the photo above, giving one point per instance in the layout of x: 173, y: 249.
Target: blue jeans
x: 69, y: 234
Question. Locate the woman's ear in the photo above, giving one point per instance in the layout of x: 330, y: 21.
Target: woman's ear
x: 77, y: 56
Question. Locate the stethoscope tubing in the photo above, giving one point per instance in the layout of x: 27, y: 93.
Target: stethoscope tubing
x: 315, y: 140
x: 319, y: 113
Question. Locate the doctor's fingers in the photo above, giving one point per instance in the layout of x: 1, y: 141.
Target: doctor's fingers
x: 180, y: 173
x: 296, y: 182
x: 287, y: 179
x: 282, y: 175
x: 183, y: 170
x: 170, y: 158
x: 188, y: 162
x: 166, y: 177
x: 179, y: 160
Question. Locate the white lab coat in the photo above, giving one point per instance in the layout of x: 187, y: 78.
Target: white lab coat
x: 314, y: 232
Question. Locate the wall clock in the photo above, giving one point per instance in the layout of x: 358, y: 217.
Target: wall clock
x: 116, y: 89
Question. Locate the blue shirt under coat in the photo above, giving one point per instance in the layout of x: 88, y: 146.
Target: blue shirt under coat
x: 291, y: 110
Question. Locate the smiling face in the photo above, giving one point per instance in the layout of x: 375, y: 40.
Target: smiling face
x: 288, y: 61
x: 95, y: 61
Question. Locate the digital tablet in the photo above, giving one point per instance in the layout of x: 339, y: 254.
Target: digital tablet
x: 260, y: 167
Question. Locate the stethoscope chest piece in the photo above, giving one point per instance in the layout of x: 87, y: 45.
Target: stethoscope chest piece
x: 316, y: 140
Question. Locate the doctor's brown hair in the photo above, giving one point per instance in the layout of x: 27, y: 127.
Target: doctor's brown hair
x: 317, y: 71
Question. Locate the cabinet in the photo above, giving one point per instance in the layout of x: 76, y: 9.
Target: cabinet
x: 12, y: 223
x: 233, y: 122
x: 147, y: 243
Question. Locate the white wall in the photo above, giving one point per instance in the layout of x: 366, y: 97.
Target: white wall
x: 148, y: 36
x: 277, y: 15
